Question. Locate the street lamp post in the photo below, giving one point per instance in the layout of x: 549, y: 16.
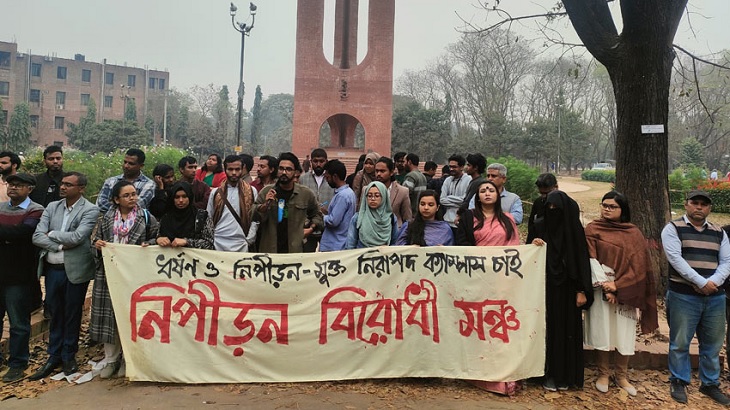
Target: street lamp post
x: 557, y: 166
x: 244, y: 29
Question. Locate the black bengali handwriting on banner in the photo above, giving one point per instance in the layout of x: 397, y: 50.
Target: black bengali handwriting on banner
x: 509, y: 262
x: 179, y: 265
x: 201, y: 302
x: 441, y: 262
x: 262, y: 266
x: 498, y: 314
x: 372, y: 320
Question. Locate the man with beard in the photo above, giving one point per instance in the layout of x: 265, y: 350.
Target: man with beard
x: 247, y: 162
x: 315, y: 181
x: 400, y: 202
x: 132, y: 172
x: 414, y: 180
x: 201, y: 191
x: 267, y: 172
x: 341, y: 208
x: 453, y: 191
x: 9, y: 165
x: 284, y: 208
x: 511, y: 202
x: 164, y: 177
x: 230, y: 207
x: 48, y: 184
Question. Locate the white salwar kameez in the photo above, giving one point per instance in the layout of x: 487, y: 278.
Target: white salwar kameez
x: 608, y: 326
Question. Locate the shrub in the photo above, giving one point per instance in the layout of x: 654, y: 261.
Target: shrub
x: 520, y: 176
x: 599, y: 175
x: 100, y: 166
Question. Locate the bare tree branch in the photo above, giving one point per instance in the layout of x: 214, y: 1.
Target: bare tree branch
x: 694, y: 57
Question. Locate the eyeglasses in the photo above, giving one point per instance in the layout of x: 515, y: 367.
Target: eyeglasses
x: 609, y: 207
x: 373, y: 196
x: 128, y: 196
x: 286, y: 169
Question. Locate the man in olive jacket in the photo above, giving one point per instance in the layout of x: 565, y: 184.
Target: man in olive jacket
x: 283, y: 208
x: 63, y: 235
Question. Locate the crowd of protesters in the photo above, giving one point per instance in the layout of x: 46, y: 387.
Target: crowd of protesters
x: 599, y: 280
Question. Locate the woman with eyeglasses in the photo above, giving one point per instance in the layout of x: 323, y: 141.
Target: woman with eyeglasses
x: 374, y: 224
x: 486, y: 224
x: 623, y: 283
x: 126, y: 223
x: 427, y: 227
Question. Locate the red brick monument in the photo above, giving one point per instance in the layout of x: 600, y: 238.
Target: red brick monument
x: 344, y: 93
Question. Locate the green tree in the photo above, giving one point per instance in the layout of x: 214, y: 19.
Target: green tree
x: 19, y: 129
x: 130, y: 110
x: 418, y: 129
x: 180, y: 133
x: 149, y: 125
x: 79, y: 135
x: 222, y: 115
x: 692, y: 153
x: 3, y: 122
x: 256, y: 119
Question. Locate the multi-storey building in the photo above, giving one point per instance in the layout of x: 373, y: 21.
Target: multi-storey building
x: 58, y: 91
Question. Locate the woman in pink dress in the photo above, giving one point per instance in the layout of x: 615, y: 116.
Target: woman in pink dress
x: 487, y: 224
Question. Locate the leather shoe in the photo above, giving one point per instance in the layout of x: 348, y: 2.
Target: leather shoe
x: 714, y: 392
x: 45, y: 370
x: 70, y: 367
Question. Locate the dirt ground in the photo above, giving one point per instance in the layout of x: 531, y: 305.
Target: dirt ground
x: 653, y: 386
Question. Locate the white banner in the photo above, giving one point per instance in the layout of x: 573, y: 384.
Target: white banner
x: 198, y: 316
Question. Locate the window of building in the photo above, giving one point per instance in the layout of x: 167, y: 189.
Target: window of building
x: 86, y: 76
x: 61, y: 73
x: 58, y: 122
x: 162, y: 83
x: 35, y: 96
x: 131, y: 80
x: 60, y: 98
x: 85, y: 98
x: 4, y: 88
x: 109, y: 78
x: 4, y: 117
x: 108, y: 101
x: 35, y: 69
x: 5, y: 59
x: 34, y: 121
x: 153, y: 83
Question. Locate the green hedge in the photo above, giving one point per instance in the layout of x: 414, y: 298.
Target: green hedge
x: 100, y: 166
x: 599, y: 175
x: 520, y: 176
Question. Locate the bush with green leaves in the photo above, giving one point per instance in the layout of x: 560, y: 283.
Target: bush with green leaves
x: 603, y: 175
x: 520, y: 176
x: 100, y: 166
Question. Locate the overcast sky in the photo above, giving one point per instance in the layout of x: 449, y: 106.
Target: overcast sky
x: 195, y: 42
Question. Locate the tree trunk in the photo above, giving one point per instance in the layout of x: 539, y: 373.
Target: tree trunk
x: 641, y: 88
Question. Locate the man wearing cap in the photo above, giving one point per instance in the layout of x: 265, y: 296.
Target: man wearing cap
x: 699, y: 262
x: 18, y: 280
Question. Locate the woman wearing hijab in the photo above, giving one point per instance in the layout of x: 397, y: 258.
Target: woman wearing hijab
x: 184, y: 225
x: 365, y: 176
x: 486, y: 224
x: 374, y: 224
x: 622, y: 283
x: 126, y: 223
x: 427, y: 228
x: 568, y: 289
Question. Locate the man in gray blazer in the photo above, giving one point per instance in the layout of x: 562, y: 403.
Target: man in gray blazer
x: 63, y: 235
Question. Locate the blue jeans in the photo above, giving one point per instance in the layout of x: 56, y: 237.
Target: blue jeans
x: 66, y: 303
x: 705, y: 316
x: 16, y: 300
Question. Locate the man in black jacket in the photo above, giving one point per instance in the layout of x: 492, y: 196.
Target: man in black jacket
x: 49, y: 182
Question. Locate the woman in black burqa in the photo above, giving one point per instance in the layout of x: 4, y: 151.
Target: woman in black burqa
x: 568, y: 287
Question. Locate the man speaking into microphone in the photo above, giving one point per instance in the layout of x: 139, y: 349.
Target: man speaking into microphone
x: 283, y: 209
